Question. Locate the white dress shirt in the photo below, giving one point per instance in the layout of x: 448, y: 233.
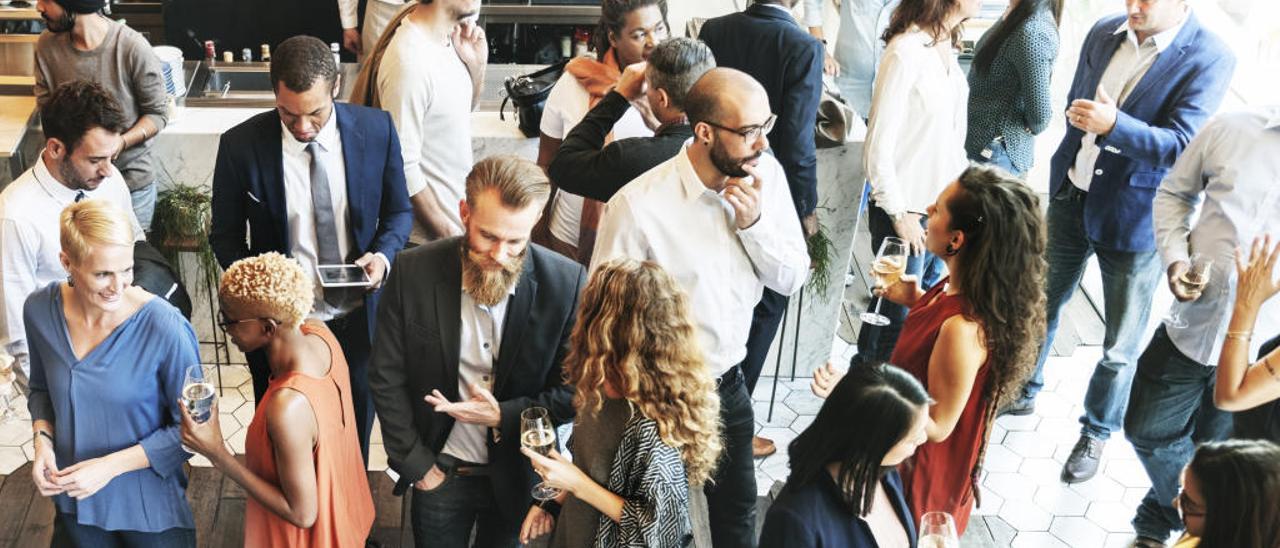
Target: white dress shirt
x: 669, y: 217
x: 479, y: 343
x: 858, y: 47
x: 1128, y: 65
x: 30, y: 241
x: 915, y: 140
x: 1229, y: 173
x: 301, y: 215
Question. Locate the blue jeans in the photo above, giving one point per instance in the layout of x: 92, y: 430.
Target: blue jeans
x: 89, y: 536
x: 443, y: 517
x: 1170, y: 412
x: 1128, y: 282
x: 995, y: 154
x: 875, y: 343
x: 144, y: 204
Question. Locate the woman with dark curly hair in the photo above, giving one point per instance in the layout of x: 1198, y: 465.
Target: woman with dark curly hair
x: 972, y: 339
x: 648, y: 417
x: 1229, y: 493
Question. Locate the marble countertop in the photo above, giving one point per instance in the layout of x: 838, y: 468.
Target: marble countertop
x: 15, y: 113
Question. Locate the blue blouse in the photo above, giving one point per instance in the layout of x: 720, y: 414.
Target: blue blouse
x: 814, y: 516
x: 123, y: 393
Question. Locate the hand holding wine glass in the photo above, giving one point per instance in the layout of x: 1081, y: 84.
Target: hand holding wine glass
x: 538, y: 441
x: 888, y: 267
x: 1187, y: 281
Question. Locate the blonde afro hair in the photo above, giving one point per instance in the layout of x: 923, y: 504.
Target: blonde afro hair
x: 270, y: 285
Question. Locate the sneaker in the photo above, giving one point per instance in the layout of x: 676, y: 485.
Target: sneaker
x: 1083, y: 462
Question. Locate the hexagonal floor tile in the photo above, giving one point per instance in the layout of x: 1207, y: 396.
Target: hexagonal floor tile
x: 1019, y: 424
x: 1077, y: 531
x: 1100, y: 489
x: 1133, y: 495
x: 1060, y: 430
x: 991, y: 504
x: 805, y: 403
x: 1051, y: 405
x: 1060, y: 501
x: 801, y: 423
x: 1029, y: 445
x: 1001, y: 459
x: 1128, y: 473
x: 1114, y: 517
x: 1041, y: 471
x: 1011, y: 487
x: 1026, y: 517
x: 1037, y: 540
x: 782, y: 415
x: 764, y: 389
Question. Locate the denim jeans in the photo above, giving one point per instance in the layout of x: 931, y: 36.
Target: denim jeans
x: 1170, y: 412
x: 1128, y: 283
x: 444, y: 517
x: 731, y: 498
x: 89, y: 536
x: 875, y: 343
x: 998, y: 157
x: 144, y: 204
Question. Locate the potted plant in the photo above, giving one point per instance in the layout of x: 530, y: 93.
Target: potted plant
x: 181, y: 224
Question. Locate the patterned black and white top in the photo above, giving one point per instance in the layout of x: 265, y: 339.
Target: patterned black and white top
x: 1011, y: 99
x: 650, y: 476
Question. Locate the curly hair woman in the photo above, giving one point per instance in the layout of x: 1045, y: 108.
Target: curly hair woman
x: 303, y: 470
x: 973, y: 338
x: 648, y: 417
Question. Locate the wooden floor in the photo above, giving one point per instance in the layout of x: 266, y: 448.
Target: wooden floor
x: 26, y: 518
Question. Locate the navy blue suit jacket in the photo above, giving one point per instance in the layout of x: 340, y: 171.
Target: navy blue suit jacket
x: 248, y: 189
x: 814, y: 516
x: 768, y: 44
x: 1164, y: 111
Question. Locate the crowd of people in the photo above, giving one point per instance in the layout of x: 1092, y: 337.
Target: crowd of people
x: 630, y: 280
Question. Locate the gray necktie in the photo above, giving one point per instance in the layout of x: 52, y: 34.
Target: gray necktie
x: 327, y: 251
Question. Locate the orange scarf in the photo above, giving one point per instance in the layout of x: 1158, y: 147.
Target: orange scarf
x: 598, y: 77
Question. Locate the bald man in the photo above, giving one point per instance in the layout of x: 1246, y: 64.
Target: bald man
x: 720, y: 219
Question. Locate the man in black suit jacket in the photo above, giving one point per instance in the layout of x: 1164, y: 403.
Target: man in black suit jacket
x: 267, y: 178
x: 766, y: 42
x: 472, y: 331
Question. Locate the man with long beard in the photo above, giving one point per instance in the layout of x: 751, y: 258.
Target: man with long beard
x: 718, y: 217
x: 471, y: 332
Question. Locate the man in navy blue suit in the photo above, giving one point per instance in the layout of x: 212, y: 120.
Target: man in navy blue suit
x: 1145, y: 83
x: 322, y: 182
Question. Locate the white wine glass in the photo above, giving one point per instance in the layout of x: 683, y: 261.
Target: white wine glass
x: 198, y: 393
x: 889, y: 266
x: 938, y: 530
x: 538, y: 434
x: 1191, y: 282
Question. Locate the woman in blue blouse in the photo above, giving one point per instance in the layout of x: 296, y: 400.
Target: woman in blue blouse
x: 844, y: 489
x: 107, y: 366
x: 1009, y: 85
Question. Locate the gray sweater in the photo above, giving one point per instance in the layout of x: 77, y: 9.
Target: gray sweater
x: 126, y: 66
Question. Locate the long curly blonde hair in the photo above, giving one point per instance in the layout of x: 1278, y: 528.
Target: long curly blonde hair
x: 636, y: 335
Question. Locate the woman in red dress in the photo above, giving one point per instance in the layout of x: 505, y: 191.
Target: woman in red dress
x: 973, y: 338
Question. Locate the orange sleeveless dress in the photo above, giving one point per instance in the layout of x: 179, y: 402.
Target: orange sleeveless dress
x: 345, y: 510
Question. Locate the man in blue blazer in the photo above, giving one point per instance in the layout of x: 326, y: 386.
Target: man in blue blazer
x: 322, y: 182
x: 1145, y: 83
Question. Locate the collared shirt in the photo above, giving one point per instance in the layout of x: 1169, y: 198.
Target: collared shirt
x: 1128, y: 65
x: 302, y: 220
x: 478, y: 347
x: 30, y: 209
x: 858, y: 47
x: 915, y: 140
x: 1227, y: 173
x: 670, y: 217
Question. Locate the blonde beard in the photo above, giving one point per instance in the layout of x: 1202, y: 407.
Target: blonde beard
x: 489, y: 286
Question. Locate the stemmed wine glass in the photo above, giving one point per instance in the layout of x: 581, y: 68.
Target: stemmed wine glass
x: 1192, y: 282
x: 890, y: 264
x: 538, y: 434
x: 938, y: 530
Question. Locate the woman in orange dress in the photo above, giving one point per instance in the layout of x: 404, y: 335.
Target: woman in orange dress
x: 303, y: 470
x: 973, y: 338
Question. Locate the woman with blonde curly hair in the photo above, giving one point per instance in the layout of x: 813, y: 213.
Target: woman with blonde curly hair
x: 303, y: 470
x: 648, y: 417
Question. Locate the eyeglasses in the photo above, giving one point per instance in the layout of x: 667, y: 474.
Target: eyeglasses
x: 1187, y: 506
x: 225, y: 323
x: 749, y: 133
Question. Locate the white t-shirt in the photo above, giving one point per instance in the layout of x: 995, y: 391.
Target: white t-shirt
x: 566, y: 106
x: 427, y: 89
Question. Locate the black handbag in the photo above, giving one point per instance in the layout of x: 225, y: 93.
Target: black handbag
x: 528, y: 94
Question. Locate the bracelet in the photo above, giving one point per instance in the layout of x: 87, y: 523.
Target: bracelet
x: 1243, y: 335
x: 44, y: 433
x: 1266, y: 362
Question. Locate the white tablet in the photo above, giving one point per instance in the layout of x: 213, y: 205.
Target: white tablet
x: 342, y: 275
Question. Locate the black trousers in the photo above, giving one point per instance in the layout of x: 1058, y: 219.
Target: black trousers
x: 731, y: 498
x: 352, y: 332
x: 765, y: 320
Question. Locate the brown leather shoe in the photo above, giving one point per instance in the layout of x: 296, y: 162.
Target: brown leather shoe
x: 762, y: 447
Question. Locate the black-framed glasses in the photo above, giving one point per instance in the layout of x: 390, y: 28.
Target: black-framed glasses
x: 225, y: 323
x: 1187, y: 506
x: 749, y: 133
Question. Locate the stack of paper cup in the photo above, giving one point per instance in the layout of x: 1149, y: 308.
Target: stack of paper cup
x: 175, y: 78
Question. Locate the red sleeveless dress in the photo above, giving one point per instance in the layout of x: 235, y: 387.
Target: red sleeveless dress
x: 345, y: 509
x: 939, y: 477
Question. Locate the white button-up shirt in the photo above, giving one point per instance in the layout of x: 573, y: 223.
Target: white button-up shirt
x: 1229, y: 173
x: 1128, y: 65
x: 670, y: 217
x: 479, y: 343
x: 30, y: 210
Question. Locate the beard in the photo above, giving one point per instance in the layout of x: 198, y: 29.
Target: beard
x: 71, y: 177
x: 485, y: 283
x: 729, y: 165
x: 60, y: 25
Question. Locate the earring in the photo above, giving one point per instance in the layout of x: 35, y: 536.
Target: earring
x: 951, y: 250
x: 71, y: 282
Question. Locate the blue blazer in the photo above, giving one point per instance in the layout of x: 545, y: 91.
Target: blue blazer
x: 248, y: 186
x: 814, y: 515
x: 768, y: 44
x: 1164, y: 111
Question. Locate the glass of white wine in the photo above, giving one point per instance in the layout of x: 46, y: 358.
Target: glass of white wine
x: 890, y: 264
x: 1192, y: 282
x: 538, y: 434
x: 938, y: 530
x: 198, y: 393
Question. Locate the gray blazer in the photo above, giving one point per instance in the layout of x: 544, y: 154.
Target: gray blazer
x: 1011, y: 99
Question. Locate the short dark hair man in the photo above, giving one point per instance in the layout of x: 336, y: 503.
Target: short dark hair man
x: 477, y: 327
x: 323, y: 183
x: 586, y: 166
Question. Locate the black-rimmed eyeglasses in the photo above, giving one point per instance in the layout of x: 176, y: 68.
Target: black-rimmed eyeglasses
x: 225, y: 323
x: 749, y: 133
